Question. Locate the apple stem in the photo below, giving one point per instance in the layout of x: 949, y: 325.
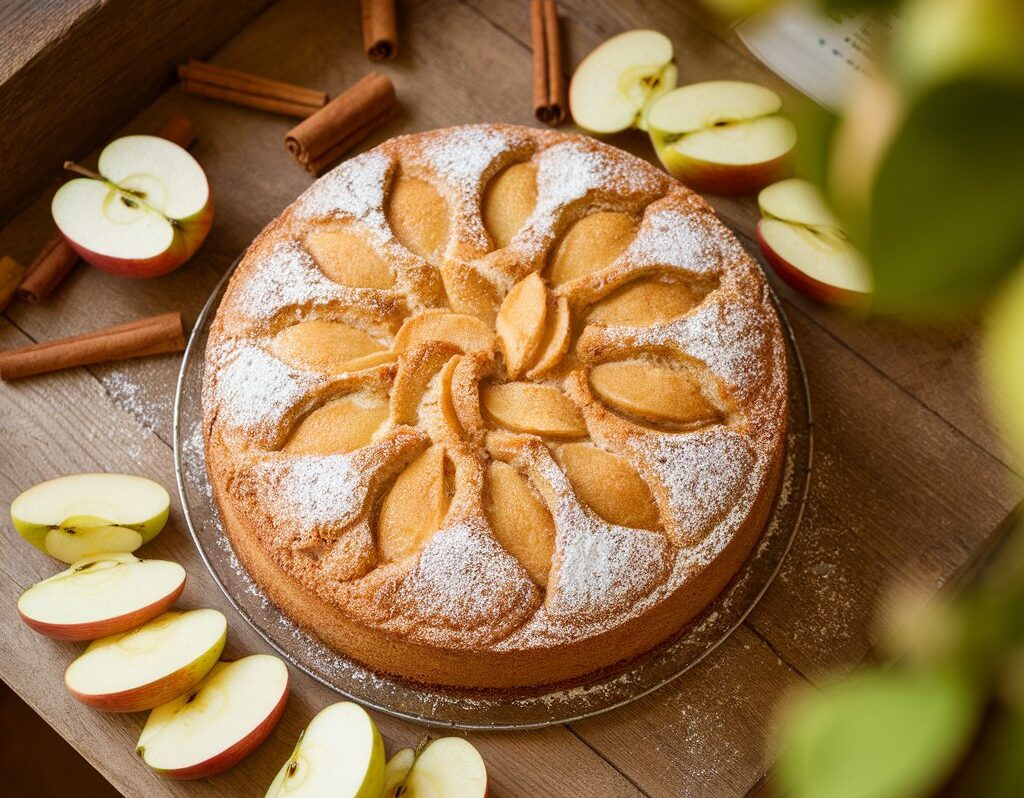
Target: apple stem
x: 71, y: 166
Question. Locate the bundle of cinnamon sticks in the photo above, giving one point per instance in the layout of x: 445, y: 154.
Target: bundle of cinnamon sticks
x: 549, y: 104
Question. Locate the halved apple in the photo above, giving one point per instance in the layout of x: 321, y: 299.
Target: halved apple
x: 101, y: 595
x: 806, y: 245
x: 614, y: 85
x: 219, y: 722
x: 722, y: 136
x: 340, y: 753
x: 148, y: 666
x: 145, y: 213
x: 81, y: 515
x: 450, y: 767
x: 395, y: 771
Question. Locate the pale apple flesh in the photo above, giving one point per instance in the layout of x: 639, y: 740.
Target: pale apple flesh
x: 150, y: 665
x: 396, y: 770
x: 340, y: 753
x: 100, y: 596
x: 613, y: 86
x: 147, y: 216
x: 723, y: 137
x: 450, y: 767
x: 806, y: 246
x: 219, y: 722
x: 82, y: 515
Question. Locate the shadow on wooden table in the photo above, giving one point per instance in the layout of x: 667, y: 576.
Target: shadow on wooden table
x: 37, y: 762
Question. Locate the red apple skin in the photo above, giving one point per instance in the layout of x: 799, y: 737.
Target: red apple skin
x: 106, y: 627
x: 184, y: 245
x: 724, y: 179
x: 237, y: 752
x: 804, y: 283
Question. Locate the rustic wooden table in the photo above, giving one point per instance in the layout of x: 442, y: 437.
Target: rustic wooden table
x: 909, y: 487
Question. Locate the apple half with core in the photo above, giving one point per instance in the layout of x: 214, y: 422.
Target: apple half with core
x: 806, y: 246
x: 614, y: 85
x: 722, y: 136
x: 150, y: 665
x: 340, y: 754
x: 81, y: 515
x: 217, y: 723
x: 100, y: 596
x: 145, y: 212
x: 395, y: 771
x: 449, y: 767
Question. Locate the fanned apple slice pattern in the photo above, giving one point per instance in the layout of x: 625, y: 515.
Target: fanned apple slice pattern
x: 462, y: 388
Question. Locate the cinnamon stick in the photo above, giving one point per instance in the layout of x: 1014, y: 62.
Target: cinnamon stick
x: 320, y: 141
x: 179, y: 129
x: 11, y: 275
x: 152, y: 336
x: 548, y: 81
x: 380, y: 29
x: 48, y: 270
x: 252, y: 91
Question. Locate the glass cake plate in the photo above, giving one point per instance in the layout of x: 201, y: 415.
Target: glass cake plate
x: 450, y: 708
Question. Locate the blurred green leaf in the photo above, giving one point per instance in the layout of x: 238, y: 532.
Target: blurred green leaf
x: 878, y: 735
x: 1004, y: 360
x: 995, y: 768
x: 815, y: 127
x: 858, y: 5
x: 947, y: 211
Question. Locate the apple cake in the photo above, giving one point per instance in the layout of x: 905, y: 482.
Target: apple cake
x: 494, y: 407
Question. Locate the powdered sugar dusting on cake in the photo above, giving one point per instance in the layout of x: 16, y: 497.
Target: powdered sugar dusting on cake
x: 354, y: 189
x: 461, y: 157
x: 255, y: 389
x: 288, y: 277
x: 313, y: 490
x: 599, y: 563
x: 705, y: 473
x: 671, y: 238
x: 465, y: 579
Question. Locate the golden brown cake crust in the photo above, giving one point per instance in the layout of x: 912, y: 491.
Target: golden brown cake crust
x: 495, y: 407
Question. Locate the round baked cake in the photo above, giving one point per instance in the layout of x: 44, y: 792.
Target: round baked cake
x: 495, y: 407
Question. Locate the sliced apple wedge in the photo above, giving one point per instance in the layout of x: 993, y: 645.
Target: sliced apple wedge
x: 395, y: 771
x: 101, y: 595
x: 613, y: 86
x: 86, y: 514
x: 219, y: 722
x: 340, y: 754
x: 806, y: 245
x: 145, y: 212
x: 148, y: 666
x: 450, y: 767
x: 722, y: 136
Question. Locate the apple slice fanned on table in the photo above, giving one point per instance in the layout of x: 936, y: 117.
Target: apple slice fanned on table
x: 101, y: 595
x: 219, y: 722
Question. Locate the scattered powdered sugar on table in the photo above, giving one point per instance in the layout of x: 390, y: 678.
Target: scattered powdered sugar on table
x: 313, y: 490
x: 127, y: 389
x: 286, y: 278
x: 355, y: 189
x: 255, y: 389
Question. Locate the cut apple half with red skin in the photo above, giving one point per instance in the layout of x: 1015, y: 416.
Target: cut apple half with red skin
x: 614, y: 85
x: 148, y: 214
x: 722, y: 136
x: 219, y: 722
x: 100, y: 596
x: 449, y: 767
x: 150, y: 665
x: 806, y: 246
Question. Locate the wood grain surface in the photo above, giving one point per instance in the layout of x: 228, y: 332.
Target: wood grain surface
x: 909, y: 481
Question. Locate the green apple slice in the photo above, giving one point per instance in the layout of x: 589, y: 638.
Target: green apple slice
x: 450, y: 767
x: 340, y: 753
x: 613, y: 86
x: 100, y: 596
x: 395, y: 771
x: 150, y: 665
x: 88, y: 514
x: 219, y: 722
